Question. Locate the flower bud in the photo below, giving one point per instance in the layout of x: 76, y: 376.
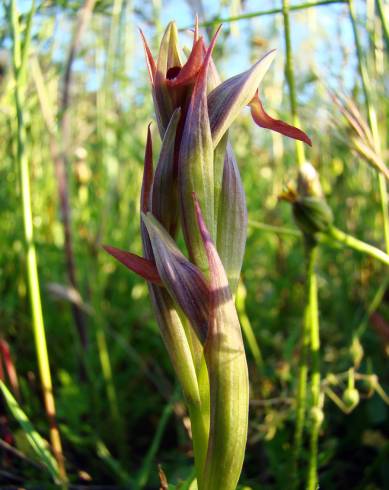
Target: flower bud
x: 310, y: 209
x: 356, y: 351
x: 350, y: 398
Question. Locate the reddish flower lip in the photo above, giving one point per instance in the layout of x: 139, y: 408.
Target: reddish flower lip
x: 173, y: 72
x: 262, y: 119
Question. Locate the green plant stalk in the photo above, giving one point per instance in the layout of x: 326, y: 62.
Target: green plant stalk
x: 338, y: 236
x: 37, y: 443
x: 301, y: 397
x: 289, y: 72
x: 310, y: 330
x: 316, y: 413
x: 384, y: 22
x: 372, y: 118
x: 261, y: 13
x: 19, y: 59
x: 104, y: 105
x: 279, y: 230
x: 248, y: 332
x: 372, y: 307
x: 200, y: 435
x: 144, y: 472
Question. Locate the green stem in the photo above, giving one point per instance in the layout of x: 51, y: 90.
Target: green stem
x: 316, y: 412
x: 19, y: 58
x: 144, y: 472
x: 372, y: 307
x: 280, y: 230
x: 301, y: 396
x: 200, y: 435
x: 289, y: 72
x: 372, y: 118
x: 248, y: 332
x: 384, y: 208
x: 351, y: 242
x: 384, y: 22
x: 262, y: 13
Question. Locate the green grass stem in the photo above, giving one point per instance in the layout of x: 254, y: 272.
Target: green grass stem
x: 316, y: 415
x: 247, y: 328
x: 372, y: 119
x: 37, y: 443
x: 384, y: 22
x: 309, y: 329
x: 279, y: 230
x: 289, y: 71
x: 19, y: 59
x: 262, y: 13
x: 145, y: 470
x: 338, y: 236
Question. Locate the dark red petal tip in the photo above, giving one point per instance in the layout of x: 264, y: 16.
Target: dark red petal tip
x: 143, y: 267
x: 263, y: 120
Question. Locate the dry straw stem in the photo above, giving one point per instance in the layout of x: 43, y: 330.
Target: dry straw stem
x: 20, y: 50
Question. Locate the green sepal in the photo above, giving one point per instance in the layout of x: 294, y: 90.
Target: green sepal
x: 196, y: 168
x: 165, y: 193
x: 232, y: 220
x: 228, y: 378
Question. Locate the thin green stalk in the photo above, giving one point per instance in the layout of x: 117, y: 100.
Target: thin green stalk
x: 372, y: 118
x: 316, y: 412
x: 262, y: 13
x: 200, y: 435
x: 310, y: 330
x: 334, y: 234
x: 104, y: 106
x: 144, y: 472
x: 248, y: 332
x: 310, y: 313
x: 372, y: 307
x: 199, y: 413
x: 279, y: 230
x: 289, y: 72
x: 19, y: 59
x: 384, y: 22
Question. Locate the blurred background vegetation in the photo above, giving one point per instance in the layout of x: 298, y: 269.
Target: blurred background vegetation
x: 86, y: 109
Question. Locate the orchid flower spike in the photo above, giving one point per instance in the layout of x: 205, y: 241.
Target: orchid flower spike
x: 196, y: 187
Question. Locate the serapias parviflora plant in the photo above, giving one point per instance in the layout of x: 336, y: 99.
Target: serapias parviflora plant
x: 196, y: 187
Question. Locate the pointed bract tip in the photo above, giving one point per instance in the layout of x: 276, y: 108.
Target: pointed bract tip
x: 196, y: 30
x: 151, y: 66
x: 141, y: 266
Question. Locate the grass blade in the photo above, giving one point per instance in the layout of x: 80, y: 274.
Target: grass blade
x: 38, y: 444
